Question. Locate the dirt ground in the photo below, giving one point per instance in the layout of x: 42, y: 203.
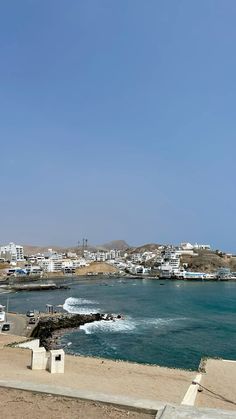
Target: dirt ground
x: 96, y: 267
x: 18, y: 404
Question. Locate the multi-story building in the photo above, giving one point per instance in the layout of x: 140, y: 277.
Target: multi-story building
x: 101, y: 256
x: 136, y: 257
x: 202, y: 246
x: 12, y: 252
x: 171, y: 263
x: 51, y: 265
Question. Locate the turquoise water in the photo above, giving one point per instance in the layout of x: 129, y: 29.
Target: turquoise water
x: 170, y: 323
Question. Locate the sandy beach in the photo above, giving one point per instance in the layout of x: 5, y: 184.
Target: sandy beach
x: 98, y: 377
x: 93, y: 375
x: 101, y: 376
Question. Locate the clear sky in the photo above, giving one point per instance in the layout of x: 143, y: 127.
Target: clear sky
x: 117, y: 121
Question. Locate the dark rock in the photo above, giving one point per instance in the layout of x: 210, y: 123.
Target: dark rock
x: 48, y: 325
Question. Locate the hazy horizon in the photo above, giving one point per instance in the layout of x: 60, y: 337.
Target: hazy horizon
x: 118, y: 120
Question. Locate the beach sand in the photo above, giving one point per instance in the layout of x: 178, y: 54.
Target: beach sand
x: 96, y: 376
x: 101, y: 376
x: 220, y: 385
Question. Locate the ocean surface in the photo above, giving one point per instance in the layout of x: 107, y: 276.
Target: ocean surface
x: 169, y: 323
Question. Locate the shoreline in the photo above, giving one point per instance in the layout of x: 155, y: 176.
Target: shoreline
x: 55, y: 344
x: 11, y: 281
x: 51, y: 338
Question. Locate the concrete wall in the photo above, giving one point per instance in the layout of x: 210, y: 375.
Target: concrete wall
x: 56, y: 361
x: 41, y: 360
x: 33, y: 344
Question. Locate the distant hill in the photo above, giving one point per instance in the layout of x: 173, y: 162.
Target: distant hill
x: 115, y: 244
x: 149, y: 247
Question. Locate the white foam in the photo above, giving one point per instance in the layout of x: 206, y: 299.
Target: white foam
x: 76, y: 301
x: 108, y: 326
x: 85, y: 310
x: 161, y: 321
x: 85, y: 306
x: 74, y: 305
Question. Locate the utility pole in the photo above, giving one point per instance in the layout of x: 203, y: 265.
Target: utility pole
x: 85, y: 245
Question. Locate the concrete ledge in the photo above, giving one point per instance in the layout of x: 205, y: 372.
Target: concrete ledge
x: 191, y: 394
x: 161, y: 409
x: 228, y: 360
x: 29, y: 344
x: 148, y: 406
x: 187, y: 412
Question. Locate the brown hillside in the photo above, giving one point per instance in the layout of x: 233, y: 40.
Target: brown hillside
x: 208, y: 262
x: 96, y: 268
x: 115, y: 244
x: 149, y: 247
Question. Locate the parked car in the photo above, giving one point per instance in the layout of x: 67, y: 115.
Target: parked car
x: 5, y: 327
x: 30, y: 313
x: 32, y: 320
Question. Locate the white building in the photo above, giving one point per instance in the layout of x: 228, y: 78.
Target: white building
x: 12, y: 252
x: 159, y: 260
x: 171, y: 263
x: 102, y: 256
x: 165, y: 270
x: 186, y: 246
x: 174, y: 262
x: 136, y: 257
x: 33, y: 269
x: 51, y: 265
x: 202, y: 246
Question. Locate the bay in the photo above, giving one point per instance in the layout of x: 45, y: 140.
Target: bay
x: 169, y: 323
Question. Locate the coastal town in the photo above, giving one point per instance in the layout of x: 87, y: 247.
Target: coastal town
x: 186, y: 261
x: 117, y: 247
x: 32, y: 347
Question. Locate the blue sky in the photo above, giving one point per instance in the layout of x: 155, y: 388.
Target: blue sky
x: 118, y: 121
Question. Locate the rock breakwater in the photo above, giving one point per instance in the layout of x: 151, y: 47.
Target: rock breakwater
x: 49, y: 328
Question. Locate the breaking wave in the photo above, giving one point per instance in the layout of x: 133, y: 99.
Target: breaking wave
x: 80, y: 306
x: 128, y: 325
x: 86, y: 306
x: 108, y: 326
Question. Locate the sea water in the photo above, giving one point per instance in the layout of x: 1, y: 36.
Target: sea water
x: 169, y: 323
